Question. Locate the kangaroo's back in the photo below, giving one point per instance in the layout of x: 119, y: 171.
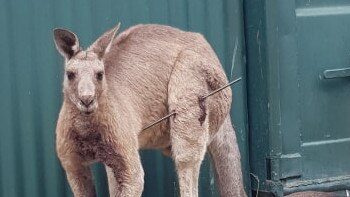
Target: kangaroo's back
x: 141, y: 61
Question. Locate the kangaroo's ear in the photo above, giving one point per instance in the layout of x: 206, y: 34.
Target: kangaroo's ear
x: 66, y: 42
x: 103, y: 44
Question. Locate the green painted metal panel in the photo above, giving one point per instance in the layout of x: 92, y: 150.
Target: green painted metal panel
x: 31, y: 76
x: 298, y: 90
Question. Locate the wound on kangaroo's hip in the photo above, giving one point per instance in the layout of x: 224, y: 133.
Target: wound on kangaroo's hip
x: 203, y: 110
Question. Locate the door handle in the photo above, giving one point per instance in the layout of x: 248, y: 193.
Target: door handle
x: 336, y: 73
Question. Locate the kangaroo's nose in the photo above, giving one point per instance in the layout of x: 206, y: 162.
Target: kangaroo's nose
x: 87, y: 100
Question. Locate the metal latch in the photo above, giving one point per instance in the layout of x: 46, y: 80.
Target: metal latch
x: 336, y: 73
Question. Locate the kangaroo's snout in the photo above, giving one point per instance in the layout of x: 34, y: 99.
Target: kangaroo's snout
x: 87, y: 100
x: 87, y: 103
x: 86, y: 94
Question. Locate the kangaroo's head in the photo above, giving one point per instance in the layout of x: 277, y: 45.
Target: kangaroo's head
x: 84, y: 79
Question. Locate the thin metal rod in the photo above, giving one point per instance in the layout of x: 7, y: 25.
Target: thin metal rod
x: 201, y: 98
x: 217, y: 90
x: 160, y: 120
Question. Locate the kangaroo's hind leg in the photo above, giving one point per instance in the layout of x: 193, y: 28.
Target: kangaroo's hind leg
x: 189, y: 141
x: 189, y: 128
x: 188, y: 149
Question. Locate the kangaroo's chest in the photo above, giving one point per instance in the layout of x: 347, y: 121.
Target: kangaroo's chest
x: 88, y: 146
x: 88, y: 140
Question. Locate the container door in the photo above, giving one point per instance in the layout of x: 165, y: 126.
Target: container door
x: 298, y: 94
x: 323, y: 37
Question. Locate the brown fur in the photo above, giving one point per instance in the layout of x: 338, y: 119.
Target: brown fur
x: 148, y: 71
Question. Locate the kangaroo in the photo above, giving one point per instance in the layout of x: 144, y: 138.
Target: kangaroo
x: 119, y: 85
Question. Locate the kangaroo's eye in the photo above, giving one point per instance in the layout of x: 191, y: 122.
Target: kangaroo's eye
x: 70, y: 75
x: 99, y: 76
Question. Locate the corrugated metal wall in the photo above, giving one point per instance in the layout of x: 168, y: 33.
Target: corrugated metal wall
x: 31, y: 75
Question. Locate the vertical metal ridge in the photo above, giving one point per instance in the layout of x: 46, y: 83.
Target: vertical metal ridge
x: 51, y: 94
x: 177, y: 14
x: 215, y: 30
x: 195, y: 13
x: 168, y: 13
x: 15, y: 115
x: 36, y: 100
x: 186, y: 3
x: 25, y: 90
x: 54, y: 177
x: 206, y: 19
x: 148, y: 12
x: 4, y: 101
x: 37, y: 96
x: 7, y: 151
x: 159, y: 170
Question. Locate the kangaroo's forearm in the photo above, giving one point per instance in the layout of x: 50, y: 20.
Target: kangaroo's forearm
x: 81, y: 182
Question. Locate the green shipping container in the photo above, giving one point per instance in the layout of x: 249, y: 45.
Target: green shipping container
x: 31, y: 73
x: 293, y: 55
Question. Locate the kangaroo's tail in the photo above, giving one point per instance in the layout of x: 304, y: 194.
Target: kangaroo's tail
x: 226, y: 160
